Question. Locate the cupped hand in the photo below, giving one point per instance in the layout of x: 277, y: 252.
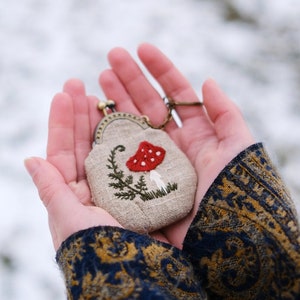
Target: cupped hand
x: 211, y: 135
x: 60, y: 179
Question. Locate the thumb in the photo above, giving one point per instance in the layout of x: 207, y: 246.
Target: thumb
x: 59, y: 200
x: 224, y: 114
x: 53, y: 191
x: 66, y: 213
x: 55, y: 195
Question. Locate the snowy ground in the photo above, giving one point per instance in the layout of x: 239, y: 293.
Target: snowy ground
x: 251, y: 48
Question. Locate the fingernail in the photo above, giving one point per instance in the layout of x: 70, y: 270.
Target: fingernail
x: 31, y: 164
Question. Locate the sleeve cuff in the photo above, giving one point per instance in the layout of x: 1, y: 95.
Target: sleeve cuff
x: 244, y: 239
x: 116, y: 262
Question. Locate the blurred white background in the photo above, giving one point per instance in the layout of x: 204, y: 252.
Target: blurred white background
x: 251, y: 48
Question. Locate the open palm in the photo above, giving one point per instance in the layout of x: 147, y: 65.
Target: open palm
x: 211, y: 136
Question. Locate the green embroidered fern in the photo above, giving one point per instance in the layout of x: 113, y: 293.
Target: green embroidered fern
x: 128, y: 190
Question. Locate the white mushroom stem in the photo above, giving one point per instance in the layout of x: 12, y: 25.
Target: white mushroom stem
x: 156, y: 177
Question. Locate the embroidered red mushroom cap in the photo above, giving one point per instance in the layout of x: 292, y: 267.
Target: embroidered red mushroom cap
x: 147, y: 158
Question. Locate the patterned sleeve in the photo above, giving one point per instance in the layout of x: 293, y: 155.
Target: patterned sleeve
x: 244, y: 242
x: 112, y: 263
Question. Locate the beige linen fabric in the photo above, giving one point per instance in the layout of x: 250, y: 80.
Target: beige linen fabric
x: 132, y: 198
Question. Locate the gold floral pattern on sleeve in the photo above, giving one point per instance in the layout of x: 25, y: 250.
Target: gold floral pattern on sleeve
x: 244, y: 242
x: 112, y: 263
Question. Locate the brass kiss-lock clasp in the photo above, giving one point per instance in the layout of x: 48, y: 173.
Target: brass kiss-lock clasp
x: 105, y: 106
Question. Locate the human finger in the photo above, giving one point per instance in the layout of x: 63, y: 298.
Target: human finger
x: 144, y: 96
x: 174, y: 84
x: 224, y: 114
x: 95, y: 114
x: 82, y: 130
x: 115, y: 90
x: 60, y: 147
x: 66, y: 214
x: 54, y: 193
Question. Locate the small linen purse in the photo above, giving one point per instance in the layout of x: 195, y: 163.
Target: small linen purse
x: 138, y: 174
